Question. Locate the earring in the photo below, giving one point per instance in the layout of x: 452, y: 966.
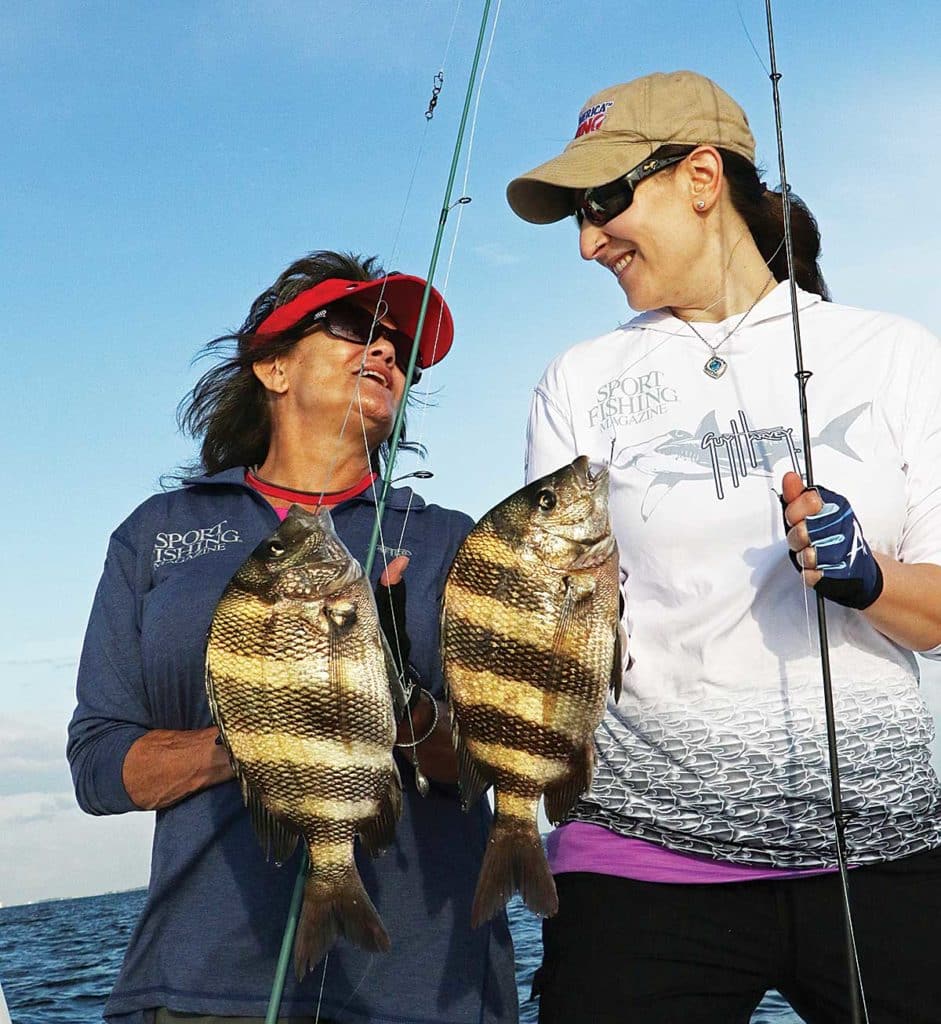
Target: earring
x: 701, y: 204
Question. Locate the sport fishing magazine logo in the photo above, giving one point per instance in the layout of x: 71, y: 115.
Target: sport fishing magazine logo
x: 628, y: 400
x: 172, y: 548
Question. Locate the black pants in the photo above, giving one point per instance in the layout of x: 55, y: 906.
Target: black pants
x: 656, y: 953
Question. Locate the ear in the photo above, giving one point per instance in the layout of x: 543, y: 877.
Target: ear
x: 704, y: 175
x: 271, y: 373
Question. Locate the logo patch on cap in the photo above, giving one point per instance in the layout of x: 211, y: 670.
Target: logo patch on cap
x: 592, y: 118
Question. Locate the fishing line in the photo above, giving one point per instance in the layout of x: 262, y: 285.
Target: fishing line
x: 858, y: 1010
x: 460, y: 203
x: 748, y: 36
x: 297, y: 896
x: 439, y: 80
x: 323, y: 979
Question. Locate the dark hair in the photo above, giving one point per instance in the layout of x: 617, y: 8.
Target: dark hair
x: 228, y: 406
x: 763, y: 212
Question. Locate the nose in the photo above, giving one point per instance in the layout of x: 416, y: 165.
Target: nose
x: 591, y: 240
x: 382, y: 348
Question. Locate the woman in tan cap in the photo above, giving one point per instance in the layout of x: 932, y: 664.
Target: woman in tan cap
x: 698, y: 870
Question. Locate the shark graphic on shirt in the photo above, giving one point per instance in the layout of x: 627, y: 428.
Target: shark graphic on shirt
x: 724, y: 457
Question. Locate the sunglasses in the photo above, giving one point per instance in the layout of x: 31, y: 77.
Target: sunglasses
x: 349, y: 322
x: 603, y: 203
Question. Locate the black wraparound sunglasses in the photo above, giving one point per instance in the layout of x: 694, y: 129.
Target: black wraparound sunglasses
x: 350, y: 322
x: 602, y: 203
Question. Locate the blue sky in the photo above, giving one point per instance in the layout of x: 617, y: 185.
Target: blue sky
x: 164, y: 161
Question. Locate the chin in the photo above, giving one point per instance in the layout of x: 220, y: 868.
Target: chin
x: 637, y: 300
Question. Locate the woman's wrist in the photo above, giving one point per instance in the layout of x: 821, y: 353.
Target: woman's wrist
x: 165, y: 765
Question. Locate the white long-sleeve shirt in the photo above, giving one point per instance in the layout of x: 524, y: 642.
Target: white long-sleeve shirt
x: 717, y: 745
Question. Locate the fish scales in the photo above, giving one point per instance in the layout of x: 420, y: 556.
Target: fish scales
x: 298, y: 677
x: 530, y: 648
x: 249, y: 706
x: 519, y: 660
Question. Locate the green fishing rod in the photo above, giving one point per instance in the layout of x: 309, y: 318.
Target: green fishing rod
x: 290, y: 927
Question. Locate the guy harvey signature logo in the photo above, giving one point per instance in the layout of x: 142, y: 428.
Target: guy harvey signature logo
x: 724, y: 457
x: 182, y: 547
x: 626, y: 400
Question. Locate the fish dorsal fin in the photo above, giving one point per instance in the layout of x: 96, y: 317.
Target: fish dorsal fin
x: 277, y: 839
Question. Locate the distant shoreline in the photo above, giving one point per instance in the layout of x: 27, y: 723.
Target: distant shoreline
x: 64, y: 899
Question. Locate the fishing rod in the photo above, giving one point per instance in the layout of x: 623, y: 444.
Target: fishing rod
x: 858, y: 1010
x: 290, y: 927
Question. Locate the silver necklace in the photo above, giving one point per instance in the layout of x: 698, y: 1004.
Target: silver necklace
x: 715, y: 365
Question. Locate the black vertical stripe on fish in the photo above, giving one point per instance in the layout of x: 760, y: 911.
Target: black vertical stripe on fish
x: 479, y: 649
x: 501, y: 726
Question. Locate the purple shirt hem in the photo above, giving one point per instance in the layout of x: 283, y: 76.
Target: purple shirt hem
x: 580, y: 846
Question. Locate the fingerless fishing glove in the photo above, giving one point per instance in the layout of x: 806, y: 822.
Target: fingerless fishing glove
x: 851, y: 576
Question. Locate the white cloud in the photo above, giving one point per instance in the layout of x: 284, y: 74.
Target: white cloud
x: 50, y: 849
x: 32, y: 758
x: 497, y: 255
x: 46, y: 842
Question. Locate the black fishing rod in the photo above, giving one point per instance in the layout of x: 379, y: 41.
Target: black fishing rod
x: 858, y: 1011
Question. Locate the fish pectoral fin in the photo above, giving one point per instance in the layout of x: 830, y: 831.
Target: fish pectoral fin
x: 560, y: 798
x: 576, y: 603
x: 341, y: 613
x: 277, y: 838
x: 338, y: 679
x: 470, y: 778
x: 378, y: 831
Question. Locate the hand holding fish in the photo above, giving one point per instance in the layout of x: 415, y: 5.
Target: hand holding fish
x: 827, y: 545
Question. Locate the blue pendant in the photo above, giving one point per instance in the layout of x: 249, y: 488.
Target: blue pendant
x: 714, y: 367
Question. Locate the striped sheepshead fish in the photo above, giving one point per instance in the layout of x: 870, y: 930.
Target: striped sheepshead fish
x: 298, y: 676
x: 530, y: 648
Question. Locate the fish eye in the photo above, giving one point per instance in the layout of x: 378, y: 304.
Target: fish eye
x: 546, y: 499
x: 275, y: 548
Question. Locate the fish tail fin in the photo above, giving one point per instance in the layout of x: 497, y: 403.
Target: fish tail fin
x: 514, y: 862
x: 331, y: 910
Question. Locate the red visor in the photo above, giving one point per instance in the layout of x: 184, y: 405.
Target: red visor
x: 401, y: 293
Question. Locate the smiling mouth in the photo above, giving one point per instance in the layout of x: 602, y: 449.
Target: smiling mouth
x: 375, y: 375
x: 623, y: 263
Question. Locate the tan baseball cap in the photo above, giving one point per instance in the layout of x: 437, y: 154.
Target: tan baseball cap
x: 621, y: 126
